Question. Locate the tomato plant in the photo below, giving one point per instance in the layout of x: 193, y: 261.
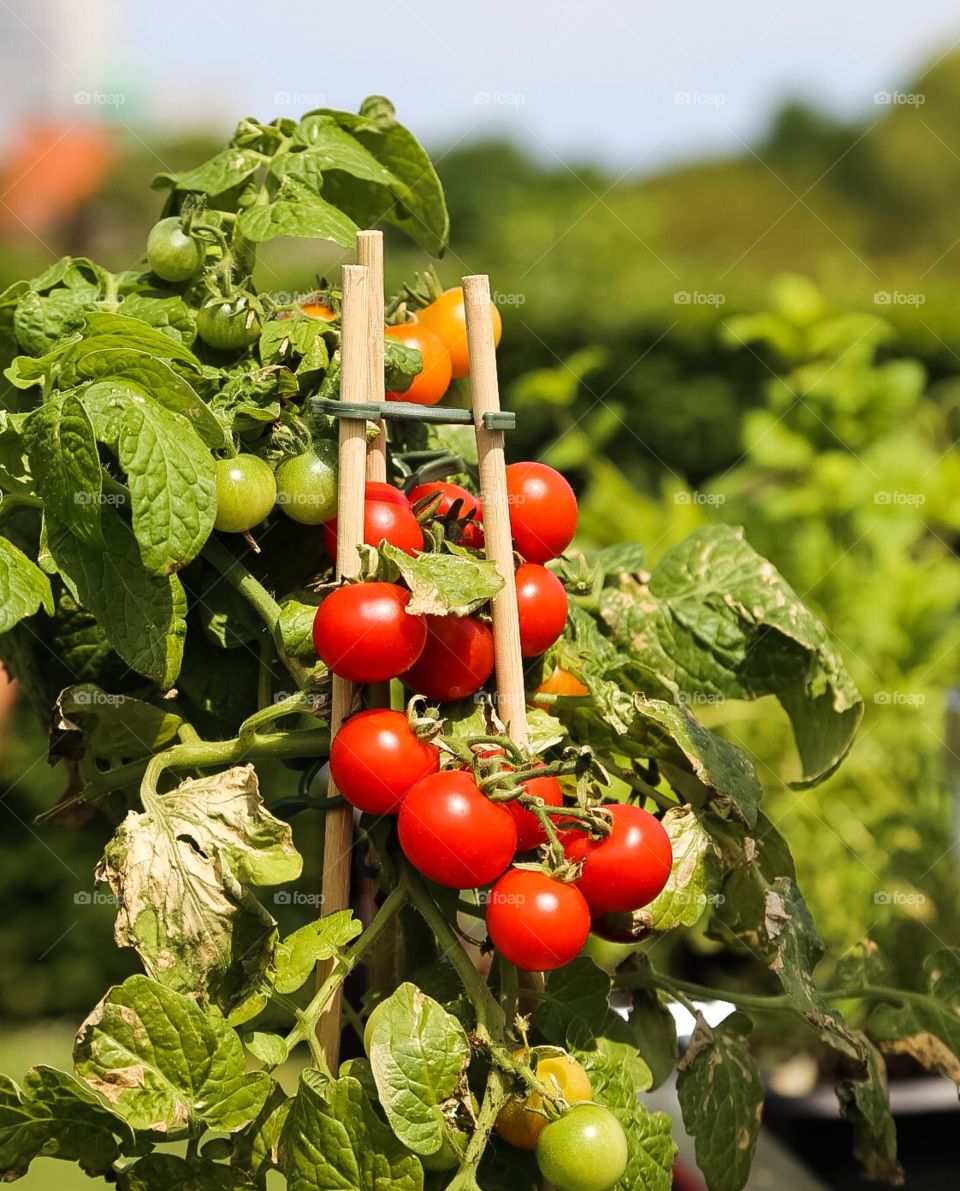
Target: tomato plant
x: 139, y: 422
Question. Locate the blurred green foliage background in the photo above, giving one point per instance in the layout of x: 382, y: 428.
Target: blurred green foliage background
x: 771, y: 340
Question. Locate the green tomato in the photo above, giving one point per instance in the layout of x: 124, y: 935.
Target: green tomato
x: 307, y: 485
x: 171, y: 253
x: 585, y: 1150
x: 450, y: 1154
x: 228, y: 326
x: 246, y: 492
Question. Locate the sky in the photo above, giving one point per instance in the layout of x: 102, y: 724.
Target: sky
x: 631, y: 85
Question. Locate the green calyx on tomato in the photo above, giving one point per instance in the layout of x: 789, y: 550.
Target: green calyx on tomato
x: 246, y: 492
x: 171, y: 253
x: 307, y: 485
x: 228, y: 324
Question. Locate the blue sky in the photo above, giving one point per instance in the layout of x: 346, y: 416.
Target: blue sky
x: 630, y: 84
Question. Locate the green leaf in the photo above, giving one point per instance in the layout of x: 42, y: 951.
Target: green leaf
x: 299, y: 953
x: 39, y: 321
x: 865, y: 1104
x: 170, y: 473
x: 330, y: 147
x: 171, y: 315
x: 268, y: 1048
x: 927, y: 1027
x: 14, y: 465
x: 226, y: 169
x: 296, y: 629
x: 164, y: 1063
x: 102, y: 330
x: 655, y: 1031
x: 333, y: 1139
x: 143, y: 616
x: 715, y: 621
x: 24, y: 588
x: 577, y: 992
x: 167, y: 1172
x: 101, y: 731
x: 453, y: 584
x: 257, y: 1146
x: 154, y: 378
x: 55, y: 1116
x: 721, y: 1098
x: 297, y: 211
x: 64, y: 461
x: 182, y: 872
x: 694, y: 879
x: 400, y: 365
x: 418, y: 1054
x: 422, y: 212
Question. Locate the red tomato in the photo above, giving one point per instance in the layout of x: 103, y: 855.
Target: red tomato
x: 543, y: 511
x: 628, y: 868
x: 376, y: 757
x: 536, y: 922
x: 445, y: 316
x: 542, y: 608
x: 456, y: 660
x: 529, y: 832
x: 453, y: 834
x: 472, y: 532
x: 387, y: 517
x: 430, y: 384
x: 363, y: 633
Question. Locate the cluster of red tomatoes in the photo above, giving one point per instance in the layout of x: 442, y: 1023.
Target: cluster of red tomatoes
x: 363, y: 631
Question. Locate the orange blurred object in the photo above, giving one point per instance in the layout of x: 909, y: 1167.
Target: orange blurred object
x: 50, y: 170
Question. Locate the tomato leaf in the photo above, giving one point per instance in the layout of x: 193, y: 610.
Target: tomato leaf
x: 418, y: 1055
x: 62, y: 449
x: 170, y: 473
x: 927, y: 1027
x: 164, y: 1063
x: 182, y: 873
x: 223, y: 171
x: 56, y: 1116
x: 452, y: 584
x: 715, y: 620
x: 327, y: 146
x: 170, y: 315
x: 297, y: 211
x: 299, y: 953
x: 865, y: 1103
x: 655, y: 1032
x: 24, y: 588
x: 334, y: 1138
x: 694, y: 879
x: 256, y: 1148
x: 167, y: 1172
x: 721, y: 1098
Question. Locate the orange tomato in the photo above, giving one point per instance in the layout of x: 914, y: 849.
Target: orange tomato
x: 316, y: 309
x: 430, y: 384
x: 560, y: 682
x: 445, y: 316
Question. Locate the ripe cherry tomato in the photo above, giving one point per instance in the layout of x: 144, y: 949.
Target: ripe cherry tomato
x: 446, y: 317
x: 456, y: 660
x: 171, y: 253
x: 318, y: 309
x: 543, y: 511
x: 560, y: 682
x: 453, y: 834
x: 362, y: 632
x: 246, y: 492
x: 228, y: 325
x: 585, y: 1150
x: 542, y: 608
x: 472, y: 530
x: 433, y: 380
x: 628, y: 868
x: 387, y: 517
x: 536, y: 922
x: 376, y: 757
x: 307, y: 485
x: 520, y: 1122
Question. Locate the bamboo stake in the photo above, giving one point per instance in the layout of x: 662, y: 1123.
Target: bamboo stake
x: 354, y: 386
x: 496, y: 509
x: 370, y: 253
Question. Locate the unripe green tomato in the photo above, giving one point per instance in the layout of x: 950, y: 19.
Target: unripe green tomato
x: 450, y: 1154
x: 228, y: 325
x: 585, y: 1150
x: 246, y: 492
x: 171, y: 253
x: 307, y: 485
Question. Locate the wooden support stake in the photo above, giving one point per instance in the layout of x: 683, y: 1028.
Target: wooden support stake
x: 512, y: 707
x: 354, y: 386
x: 370, y: 253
